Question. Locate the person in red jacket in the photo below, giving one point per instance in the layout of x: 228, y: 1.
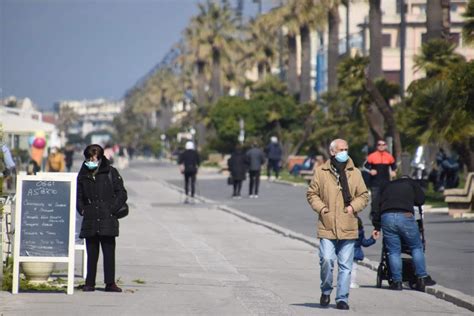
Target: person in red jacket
x: 382, y: 166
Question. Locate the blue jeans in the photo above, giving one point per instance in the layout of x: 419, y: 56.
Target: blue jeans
x: 398, y: 227
x: 329, y: 249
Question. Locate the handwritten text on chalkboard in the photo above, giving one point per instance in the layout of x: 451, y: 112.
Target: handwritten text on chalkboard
x: 45, y: 218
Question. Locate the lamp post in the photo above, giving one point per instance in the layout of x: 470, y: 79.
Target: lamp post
x: 242, y: 131
x: 402, y: 49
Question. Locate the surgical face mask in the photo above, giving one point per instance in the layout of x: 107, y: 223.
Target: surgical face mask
x: 92, y: 164
x: 342, y: 156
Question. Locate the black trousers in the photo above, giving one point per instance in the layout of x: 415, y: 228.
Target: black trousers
x: 108, y: 251
x: 237, y: 187
x: 374, y: 205
x: 190, y: 179
x: 254, y: 176
x: 275, y: 165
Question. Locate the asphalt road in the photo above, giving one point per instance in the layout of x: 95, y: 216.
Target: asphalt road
x: 449, y: 246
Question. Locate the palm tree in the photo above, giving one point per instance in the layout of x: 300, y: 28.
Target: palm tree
x: 436, y: 56
x: 376, y: 119
x: 196, y: 54
x: 261, y: 47
x: 218, y: 31
x: 468, y: 28
x: 283, y: 17
x: 310, y: 15
x: 437, y: 19
x: 333, y: 42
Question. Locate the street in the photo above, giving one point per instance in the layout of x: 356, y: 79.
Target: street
x: 449, y: 247
x: 194, y: 259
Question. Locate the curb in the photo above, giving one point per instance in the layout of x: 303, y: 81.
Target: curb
x: 453, y: 296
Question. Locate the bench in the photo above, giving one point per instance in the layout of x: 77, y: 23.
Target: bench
x: 307, y: 175
x: 460, y: 201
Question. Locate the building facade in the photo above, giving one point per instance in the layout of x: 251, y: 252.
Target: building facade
x: 90, y: 115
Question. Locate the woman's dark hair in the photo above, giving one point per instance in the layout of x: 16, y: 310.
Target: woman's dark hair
x: 93, y: 150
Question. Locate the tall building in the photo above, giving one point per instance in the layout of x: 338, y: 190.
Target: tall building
x: 415, y: 37
x: 91, y: 115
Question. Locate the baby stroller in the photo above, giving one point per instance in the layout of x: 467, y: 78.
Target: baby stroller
x: 408, y: 271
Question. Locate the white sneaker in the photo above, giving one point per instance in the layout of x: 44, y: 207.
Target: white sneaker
x: 354, y: 286
x: 251, y: 196
x: 256, y: 196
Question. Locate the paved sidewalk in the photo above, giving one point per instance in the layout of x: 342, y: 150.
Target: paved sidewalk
x: 198, y: 260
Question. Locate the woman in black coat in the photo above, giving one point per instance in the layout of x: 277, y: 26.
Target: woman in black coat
x: 100, y: 194
x: 237, y: 164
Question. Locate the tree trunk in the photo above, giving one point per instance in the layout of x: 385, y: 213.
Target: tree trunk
x: 305, y: 83
x: 201, y: 81
x: 333, y: 46
x: 375, y: 33
x: 261, y: 70
x: 437, y: 19
x: 293, y: 87
x: 376, y: 119
x: 216, y: 75
x: 387, y: 113
x: 466, y: 153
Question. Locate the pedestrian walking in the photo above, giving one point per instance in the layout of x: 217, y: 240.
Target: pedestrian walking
x: 189, y: 162
x: 274, y: 153
x: 381, y: 165
x: 337, y: 193
x: 397, y: 220
x: 100, y: 194
x: 255, y: 159
x: 69, y: 156
x: 55, y: 161
x: 237, y: 164
x: 358, y: 252
x: 9, y: 166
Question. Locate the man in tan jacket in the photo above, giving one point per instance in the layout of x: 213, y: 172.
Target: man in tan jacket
x: 337, y: 193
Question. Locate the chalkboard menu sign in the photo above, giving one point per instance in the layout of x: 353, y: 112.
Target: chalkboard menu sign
x: 45, y: 219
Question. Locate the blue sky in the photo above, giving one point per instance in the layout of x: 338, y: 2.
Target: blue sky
x: 52, y: 50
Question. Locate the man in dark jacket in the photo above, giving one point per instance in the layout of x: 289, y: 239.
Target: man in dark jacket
x: 189, y: 163
x: 255, y: 160
x: 397, y: 219
x: 100, y: 194
x: 274, y: 153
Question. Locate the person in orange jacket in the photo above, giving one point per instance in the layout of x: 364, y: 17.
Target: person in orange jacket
x: 382, y: 166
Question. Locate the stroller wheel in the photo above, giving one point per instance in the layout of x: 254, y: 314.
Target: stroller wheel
x: 379, y: 276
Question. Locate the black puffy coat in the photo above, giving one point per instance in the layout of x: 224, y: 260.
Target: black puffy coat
x: 237, y: 164
x: 98, y: 199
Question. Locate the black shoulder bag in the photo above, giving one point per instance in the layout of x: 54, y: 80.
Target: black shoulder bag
x: 123, y: 211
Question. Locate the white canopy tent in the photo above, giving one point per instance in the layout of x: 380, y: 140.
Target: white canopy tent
x: 17, y: 128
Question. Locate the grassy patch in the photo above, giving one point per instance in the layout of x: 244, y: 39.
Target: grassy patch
x: 435, y: 199
x: 286, y: 176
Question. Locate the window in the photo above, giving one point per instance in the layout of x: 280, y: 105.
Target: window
x: 386, y: 40
x: 392, y: 75
x: 454, y: 38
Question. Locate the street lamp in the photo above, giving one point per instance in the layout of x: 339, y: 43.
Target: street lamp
x: 242, y: 130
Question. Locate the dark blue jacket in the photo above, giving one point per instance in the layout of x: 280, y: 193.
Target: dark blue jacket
x: 362, y: 242
x: 273, y: 151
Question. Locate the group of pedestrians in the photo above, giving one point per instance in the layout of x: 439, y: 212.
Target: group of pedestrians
x: 239, y: 164
x: 337, y: 193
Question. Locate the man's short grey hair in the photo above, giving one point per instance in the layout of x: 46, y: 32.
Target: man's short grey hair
x: 332, y: 145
